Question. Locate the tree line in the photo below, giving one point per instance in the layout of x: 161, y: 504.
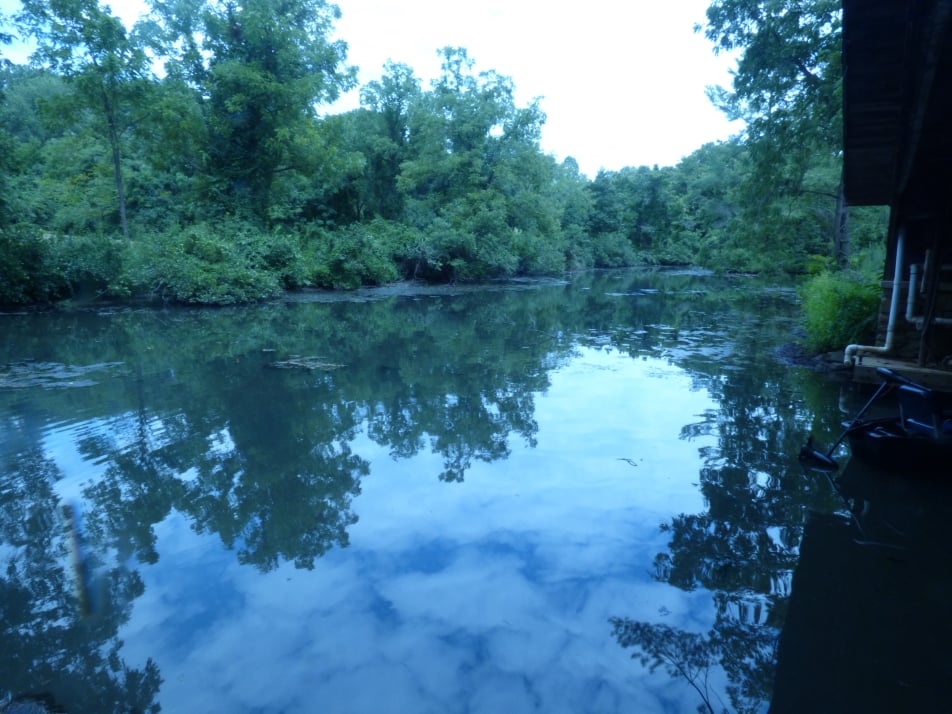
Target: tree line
x: 187, y: 158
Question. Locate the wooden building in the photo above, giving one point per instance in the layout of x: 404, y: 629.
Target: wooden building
x: 897, y: 108
x: 869, y: 619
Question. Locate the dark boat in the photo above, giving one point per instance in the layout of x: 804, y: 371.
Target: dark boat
x: 917, y: 439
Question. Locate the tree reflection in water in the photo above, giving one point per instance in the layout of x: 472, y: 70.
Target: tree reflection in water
x: 263, y: 458
x: 685, y: 655
x: 744, y: 548
x: 55, y: 646
x: 270, y: 460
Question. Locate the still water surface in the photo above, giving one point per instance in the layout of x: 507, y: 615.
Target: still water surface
x: 558, y: 497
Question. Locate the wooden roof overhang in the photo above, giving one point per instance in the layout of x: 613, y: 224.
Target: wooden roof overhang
x: 897, y: 104
x: 897, y: 150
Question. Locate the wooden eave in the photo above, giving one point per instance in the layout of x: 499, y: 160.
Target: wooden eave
x: 897, y: 102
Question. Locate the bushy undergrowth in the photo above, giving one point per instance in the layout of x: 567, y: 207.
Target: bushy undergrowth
x: 839, y: 308
x: 360, y: 254
x: 26, y: 270
x: 221, y: 263
x: 208, y: 265
x: 48, y: 268
x: 231, y: 261
x: 613, y: 251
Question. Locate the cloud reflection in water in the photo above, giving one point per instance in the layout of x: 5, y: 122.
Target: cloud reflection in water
x: 488, y: 595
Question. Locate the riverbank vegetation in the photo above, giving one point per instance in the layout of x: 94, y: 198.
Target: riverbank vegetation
x: 187, y: 158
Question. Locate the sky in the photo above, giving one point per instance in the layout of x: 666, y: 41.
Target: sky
x: 622, y: 83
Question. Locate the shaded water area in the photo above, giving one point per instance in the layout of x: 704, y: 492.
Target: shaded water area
x: 576, y: 496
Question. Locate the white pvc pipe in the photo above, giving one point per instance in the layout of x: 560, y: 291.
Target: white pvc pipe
x: 911, y: 297
x: 852, y: 352
x: 911, y: 315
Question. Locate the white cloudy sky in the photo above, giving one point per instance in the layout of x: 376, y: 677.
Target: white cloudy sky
x: 622, y: 83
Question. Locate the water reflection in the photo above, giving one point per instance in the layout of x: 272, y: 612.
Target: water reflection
x: 567, y: 421
x: 56, y: 645
x: 869, y: 622
x: 743, y: 546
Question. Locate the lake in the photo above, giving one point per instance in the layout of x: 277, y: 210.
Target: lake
x: 552, y: 496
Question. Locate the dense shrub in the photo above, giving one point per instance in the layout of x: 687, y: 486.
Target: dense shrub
x: 360, y: 254
x: 540, y: 254
x: 839, y: 308
x: 49, y: 267
x: 613, y: 250
x: 91, y: 266
x: 26, y: 273
x: 203, y: 265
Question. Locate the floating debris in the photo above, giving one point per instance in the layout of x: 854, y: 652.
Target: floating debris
x: 308, y: 363
x: 28, y: 374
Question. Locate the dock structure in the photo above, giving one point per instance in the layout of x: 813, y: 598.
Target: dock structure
x: 897, y: 110
x: 864, y: 371
x: 869, y: 622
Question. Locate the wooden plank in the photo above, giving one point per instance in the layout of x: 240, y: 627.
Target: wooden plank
x: 938, y: 379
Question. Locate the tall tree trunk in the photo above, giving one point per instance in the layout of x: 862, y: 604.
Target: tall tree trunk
x: 111, y: 122
x: 120, y: 189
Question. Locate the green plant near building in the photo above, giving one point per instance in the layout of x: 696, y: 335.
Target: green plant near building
x: 839, y: 308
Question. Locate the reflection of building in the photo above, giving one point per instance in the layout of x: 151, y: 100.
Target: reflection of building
x: 869, y: 627
x: 897, y: 107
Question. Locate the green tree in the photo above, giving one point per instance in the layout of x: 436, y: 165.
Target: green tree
x: 60, y: 177
x: 704, y: 186
x: 570, y: 191
x: 107, y: 65
x: 5, y: 37
x: 6, y: 141
x: 633, y: 216
x: 262, y: 68
x: 476, y: 182
x: 787, y: 87
x: 390, y: 103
